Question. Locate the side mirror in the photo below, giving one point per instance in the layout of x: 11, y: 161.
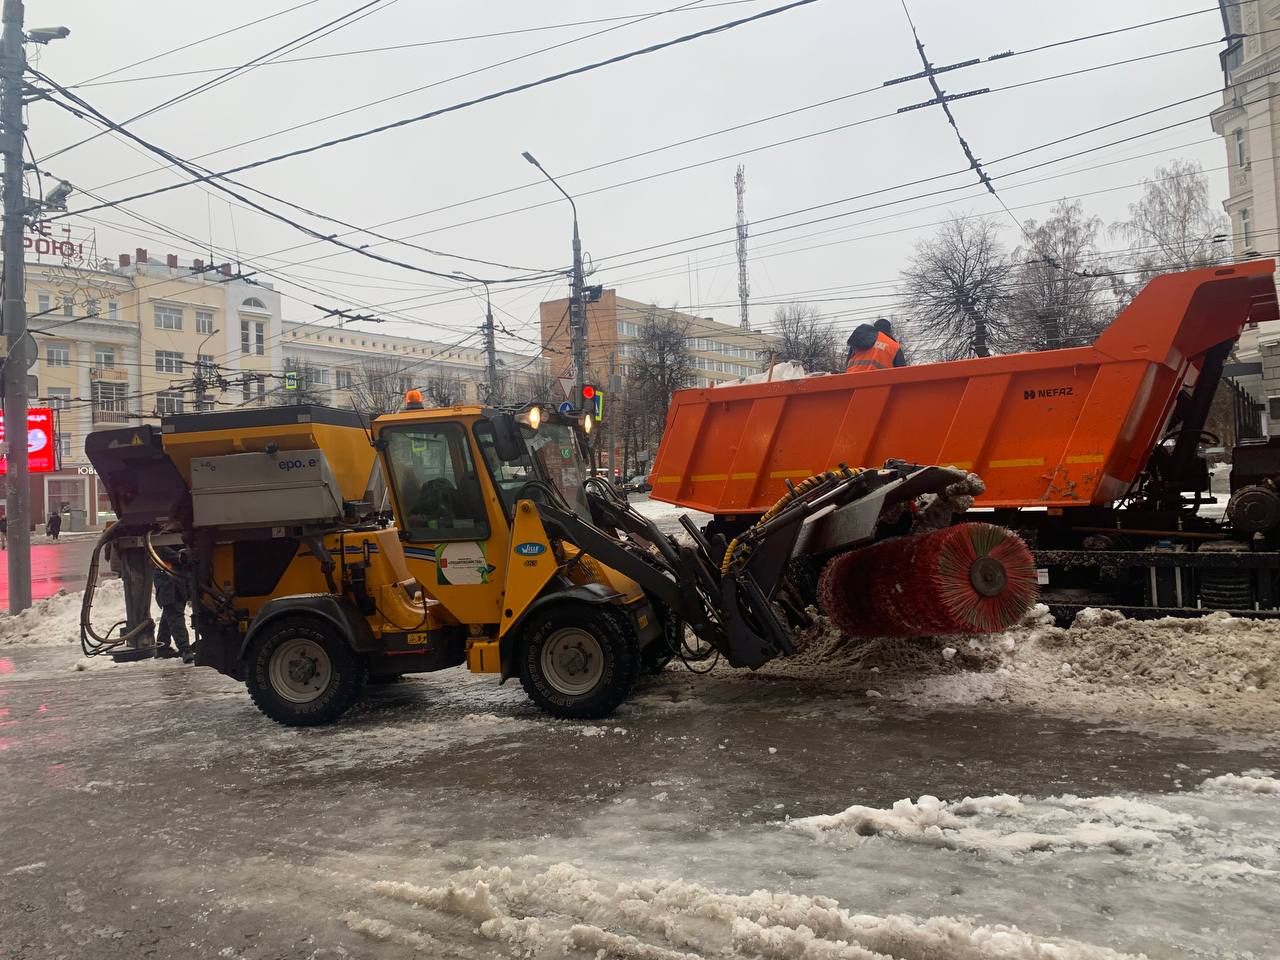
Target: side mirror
x: 508, y: 441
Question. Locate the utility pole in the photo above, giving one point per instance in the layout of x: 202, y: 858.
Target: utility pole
x: 490, y: 348
x: 744, y: 290
x: 13, y: 63
x: 577, y: 301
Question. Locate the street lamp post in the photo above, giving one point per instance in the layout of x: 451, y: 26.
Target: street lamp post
x: 577, y: 305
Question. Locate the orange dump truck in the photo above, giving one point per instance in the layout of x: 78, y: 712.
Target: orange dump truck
x: 1092, y: 453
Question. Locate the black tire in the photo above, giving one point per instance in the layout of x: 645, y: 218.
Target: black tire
x: 279, y: 662
x: 578, y: 661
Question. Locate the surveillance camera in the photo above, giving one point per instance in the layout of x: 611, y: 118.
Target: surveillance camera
x: 45, y: 34
x: 57, y: 197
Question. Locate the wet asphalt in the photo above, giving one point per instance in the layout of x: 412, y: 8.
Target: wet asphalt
x: 148, y: 810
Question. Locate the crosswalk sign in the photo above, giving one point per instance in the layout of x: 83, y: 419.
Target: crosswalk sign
x: 291, y: 380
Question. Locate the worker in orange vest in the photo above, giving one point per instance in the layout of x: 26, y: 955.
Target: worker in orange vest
x: 872, y: 347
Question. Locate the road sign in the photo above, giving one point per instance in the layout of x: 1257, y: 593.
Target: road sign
x: 566, y: 386
x: 566, y: 407
x: 291, y: 380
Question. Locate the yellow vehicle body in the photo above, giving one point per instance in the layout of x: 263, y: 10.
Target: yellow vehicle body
x: 438, y: 559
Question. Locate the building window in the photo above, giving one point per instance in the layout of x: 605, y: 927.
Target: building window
x: 253, y: 303
x: 168, y: 361
x: 44, y: 303
x: 254, y: 386
x: 59, y: 397
x: 113, y: 309
x: 168, y: 402
x: 68, y: 307
x: 252, y: 337
x: 104, y: 357
x: 1238, y: 136
x: 406, y: 384
x: 342, y: 378
x: 168, y: 318
x: 1273, y: 404
x: 64, y: 447
x: 204, y: 322
x: 109, y: 402
x: 1246, y: 227
x: 206, y: 363
x: 58, y: 355
x: 628, y: 329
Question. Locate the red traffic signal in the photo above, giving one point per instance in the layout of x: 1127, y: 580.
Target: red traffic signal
x: 588, y: 392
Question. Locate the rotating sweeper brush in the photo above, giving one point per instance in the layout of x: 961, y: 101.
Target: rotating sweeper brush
x: 969, y: 578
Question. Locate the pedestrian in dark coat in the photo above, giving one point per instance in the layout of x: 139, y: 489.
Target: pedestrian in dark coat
x: 171, y: 596
x: 54, y: 526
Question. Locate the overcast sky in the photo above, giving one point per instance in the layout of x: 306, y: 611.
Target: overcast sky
x: 429, y: 175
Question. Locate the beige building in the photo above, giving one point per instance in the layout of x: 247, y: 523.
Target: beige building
x: 339, y: 365
x: 1249, y: 123
x: 121, y: 343
x: 721, y: 352
x: 130, y: 341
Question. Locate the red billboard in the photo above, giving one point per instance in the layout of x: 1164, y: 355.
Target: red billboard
x: 41, y: 455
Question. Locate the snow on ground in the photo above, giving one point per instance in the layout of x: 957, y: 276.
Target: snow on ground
x: 56, y: 620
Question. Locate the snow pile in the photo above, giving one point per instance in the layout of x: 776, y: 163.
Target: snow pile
x: 1214, y: 669
x: 56, y: 619
x: 566, y: 908
x: 1162, y: 842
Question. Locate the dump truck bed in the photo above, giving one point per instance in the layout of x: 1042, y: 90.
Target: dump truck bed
x: 1068, y: 427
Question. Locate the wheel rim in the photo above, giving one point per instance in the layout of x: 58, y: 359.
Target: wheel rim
x: 300, y: 670
x: 572, y: 661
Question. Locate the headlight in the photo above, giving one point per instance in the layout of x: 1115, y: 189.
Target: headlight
x: 587, y: 422
x: 535, y: 417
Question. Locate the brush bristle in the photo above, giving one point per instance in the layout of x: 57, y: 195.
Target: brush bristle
x: 921, y: 585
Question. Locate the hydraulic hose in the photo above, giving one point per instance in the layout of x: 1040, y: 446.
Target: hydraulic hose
x: 91, y: 642
x: 739, y: 550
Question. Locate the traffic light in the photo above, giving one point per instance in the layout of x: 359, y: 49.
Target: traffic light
x: 592, y: 401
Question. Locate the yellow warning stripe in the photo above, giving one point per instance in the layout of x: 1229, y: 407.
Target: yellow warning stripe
x: 962, y: 464
x: 1085, y: 458
x: 666, y: 479
x: 742, y: 476
x: 1029, y: 462
x: 788, y: 474
x: 708, y: 477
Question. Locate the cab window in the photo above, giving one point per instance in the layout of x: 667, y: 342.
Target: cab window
x: 435, y: 483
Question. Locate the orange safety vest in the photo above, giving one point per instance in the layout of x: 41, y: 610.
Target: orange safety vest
x: 879, y: 356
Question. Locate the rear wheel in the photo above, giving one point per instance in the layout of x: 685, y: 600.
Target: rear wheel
x: 578, y: 661
x: 302, y: 672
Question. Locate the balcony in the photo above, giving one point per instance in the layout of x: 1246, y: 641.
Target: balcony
x: 110, y: 374
x: 101, y: 415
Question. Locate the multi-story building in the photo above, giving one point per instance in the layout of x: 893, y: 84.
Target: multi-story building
x: 122, y: 344
x: 1249, y: 123
x: 130, y: 342
x: 721, y: 352
x: 344, y: 366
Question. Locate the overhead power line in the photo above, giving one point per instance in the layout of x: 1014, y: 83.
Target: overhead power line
x: 542, y: 28
x: 310, y: 36
x: 452, y: 108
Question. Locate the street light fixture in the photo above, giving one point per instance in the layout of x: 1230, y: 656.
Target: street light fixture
x: 577, y: 306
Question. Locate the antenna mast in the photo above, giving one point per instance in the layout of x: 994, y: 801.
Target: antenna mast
x: 744, y: 289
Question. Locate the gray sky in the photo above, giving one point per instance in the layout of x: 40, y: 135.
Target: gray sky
x: 826, y: 50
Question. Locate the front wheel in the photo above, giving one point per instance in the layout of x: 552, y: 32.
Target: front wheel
x: 303, y: 673
x: 578, y: 661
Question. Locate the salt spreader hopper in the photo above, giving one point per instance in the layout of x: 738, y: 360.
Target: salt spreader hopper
x: 1093, y: 453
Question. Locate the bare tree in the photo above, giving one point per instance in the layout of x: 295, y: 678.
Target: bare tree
x: 804, y: 337
x: 1172, y: 226
x: 441, y: 387
x: 1057, y: 300
x: 661, y: 363
x: 378, y: 385
x: 955, y: 291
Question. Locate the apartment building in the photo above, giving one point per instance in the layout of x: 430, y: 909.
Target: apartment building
x: 344, y: 365
x: 121, y: 343
x: 721, y: 352
x: 1249, y: 123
